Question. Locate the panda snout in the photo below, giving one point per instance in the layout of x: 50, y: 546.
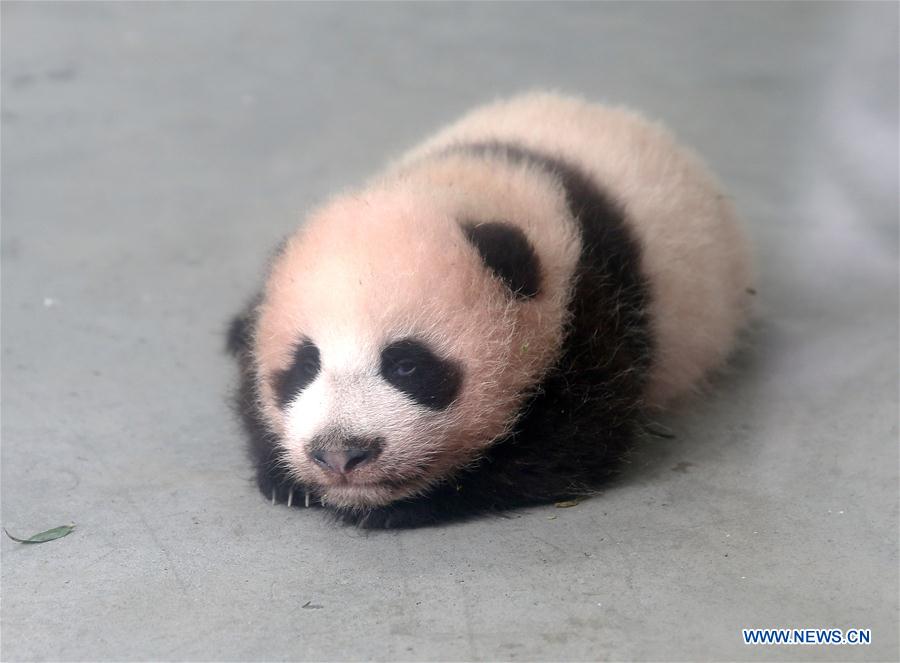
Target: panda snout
x: 346, y: 459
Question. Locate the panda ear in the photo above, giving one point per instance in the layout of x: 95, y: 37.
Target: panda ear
x: 506, y: 251
x: 240, y: 329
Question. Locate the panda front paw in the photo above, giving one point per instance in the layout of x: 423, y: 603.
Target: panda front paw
x: 283, y: 492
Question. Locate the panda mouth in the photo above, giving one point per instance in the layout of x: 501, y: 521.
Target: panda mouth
x: 351, y: 483
x: 393, y: 484
x: 380, y: 487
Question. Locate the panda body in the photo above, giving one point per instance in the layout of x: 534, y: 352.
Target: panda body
x: 481, y: 326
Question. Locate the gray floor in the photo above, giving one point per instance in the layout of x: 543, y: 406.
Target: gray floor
x: 152, y: 154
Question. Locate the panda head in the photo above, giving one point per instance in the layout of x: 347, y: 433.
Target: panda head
x: 397, y: 338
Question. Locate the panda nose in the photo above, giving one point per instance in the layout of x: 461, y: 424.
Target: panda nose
x: 344, y: 461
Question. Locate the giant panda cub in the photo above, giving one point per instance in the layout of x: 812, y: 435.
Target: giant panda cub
x: 483, y: 326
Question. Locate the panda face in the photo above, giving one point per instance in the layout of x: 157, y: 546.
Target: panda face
x: 366, y: 427
x: 399, y: 334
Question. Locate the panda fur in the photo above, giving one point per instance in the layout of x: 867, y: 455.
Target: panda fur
x: 483, y: 326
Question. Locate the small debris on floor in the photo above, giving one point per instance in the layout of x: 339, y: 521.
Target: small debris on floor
x: 43, y: 537
x: 658, y: 430
x: 568, y: 504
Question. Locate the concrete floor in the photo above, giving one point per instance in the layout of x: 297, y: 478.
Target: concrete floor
x: 153, y: 153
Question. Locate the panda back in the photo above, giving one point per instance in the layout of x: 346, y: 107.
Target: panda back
x: 693, y: 253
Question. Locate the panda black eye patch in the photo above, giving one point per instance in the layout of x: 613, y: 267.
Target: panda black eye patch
x: 303, y: 370
x: 413, y: 369
x: 506, y: 251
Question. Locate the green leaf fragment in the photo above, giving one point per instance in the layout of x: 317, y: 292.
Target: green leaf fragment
x: 43, y: 537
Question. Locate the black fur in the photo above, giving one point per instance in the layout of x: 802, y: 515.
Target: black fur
x: 507, y: 252
x: 581, y: 418
x: 261, y: 442
x: 412, y: 368
x: 240, y: 331
x: 302, y: 372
